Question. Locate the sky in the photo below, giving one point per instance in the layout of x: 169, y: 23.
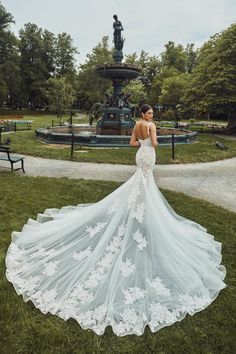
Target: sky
x: 148, y: 24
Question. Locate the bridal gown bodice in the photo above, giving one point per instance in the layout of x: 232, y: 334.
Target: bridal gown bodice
x: 145, y: 156
x: 126, y: 261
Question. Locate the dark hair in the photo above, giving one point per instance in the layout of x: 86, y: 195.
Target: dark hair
x: 145, y: 108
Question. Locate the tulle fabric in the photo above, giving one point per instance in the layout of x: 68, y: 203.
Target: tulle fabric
x: 127, y: 261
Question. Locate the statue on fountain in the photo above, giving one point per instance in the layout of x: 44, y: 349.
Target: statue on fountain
x: 116, y: 115
x: 117, y: 39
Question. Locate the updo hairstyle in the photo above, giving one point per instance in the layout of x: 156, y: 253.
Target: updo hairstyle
x: 145, y: 108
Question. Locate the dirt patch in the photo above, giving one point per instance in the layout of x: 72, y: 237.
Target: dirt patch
x: 56, y: 146
x: 162, y: 131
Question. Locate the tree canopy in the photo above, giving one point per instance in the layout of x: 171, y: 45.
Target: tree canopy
x: 199, y: 80
x: 212, y: 84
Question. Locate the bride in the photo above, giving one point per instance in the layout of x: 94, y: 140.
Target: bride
x: 126, y: 261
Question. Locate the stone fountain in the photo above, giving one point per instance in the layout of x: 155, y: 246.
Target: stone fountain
x: 116, y: 116
x: 115, y: 126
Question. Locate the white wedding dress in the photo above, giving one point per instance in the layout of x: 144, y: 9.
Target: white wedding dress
x: 126, y: 261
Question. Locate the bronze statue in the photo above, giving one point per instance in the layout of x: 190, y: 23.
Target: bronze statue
x: 117, y: 39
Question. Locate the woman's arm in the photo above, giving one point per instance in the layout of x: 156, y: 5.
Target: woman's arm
x: 153, y: 134
x: 133, y: 140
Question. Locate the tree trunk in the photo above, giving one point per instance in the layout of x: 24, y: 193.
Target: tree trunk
x: 231, y: 126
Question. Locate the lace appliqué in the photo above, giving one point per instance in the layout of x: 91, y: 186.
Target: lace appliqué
x: 50, y: 268
x: 46, y: 300
x: 159, y: 287
x: 135, y: 192
x: 133, y: 294
x: 104, y: 263
x: 81, y: 294
x: 160, y: 314
x: 127, y: 268
x: 139, y: 213
x: 95, y: 317
x: 96, y: 229
x: 140, y: 239
x: 191, y: 303
x: 131, y: 322
x: 145, y: 160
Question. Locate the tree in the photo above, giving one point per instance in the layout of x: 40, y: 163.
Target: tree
x: 43, y: 56
x: 5, y: 19
x: 212, y: 85
x: 175, y: 60
x: 90, y: 87
x: 172, y: 90
x: 3, y: 89
x: 9, y: 60
x: 191, y: 57
x: 49, y: 52
x: 164, y: 73
x: 149, y: 66
x: 65, y: 55
x: 137, y: 90
x: 174, y: 56
x: 60, y: 94
x: 33, y: 67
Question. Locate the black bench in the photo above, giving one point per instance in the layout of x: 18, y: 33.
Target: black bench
x: 11, y: 159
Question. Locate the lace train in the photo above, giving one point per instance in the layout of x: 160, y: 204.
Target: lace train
x: 127, y: 261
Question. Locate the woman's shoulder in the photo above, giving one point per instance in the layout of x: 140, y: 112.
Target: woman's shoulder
x: 152, y: 127
x: 138, y: 124
x: 141, y: 123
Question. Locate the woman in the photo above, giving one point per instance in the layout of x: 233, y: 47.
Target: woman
x: 127, y: 261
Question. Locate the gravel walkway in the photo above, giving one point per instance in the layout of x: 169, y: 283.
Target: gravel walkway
x: 212, y: 181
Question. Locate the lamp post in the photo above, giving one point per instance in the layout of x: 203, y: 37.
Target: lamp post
x: 70, y: 120
x: 176, y: 115
x: 159, y: 108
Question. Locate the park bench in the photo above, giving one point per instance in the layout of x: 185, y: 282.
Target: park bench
x: 14, y: 123
x: 5, y: 155
x: 11, y: 122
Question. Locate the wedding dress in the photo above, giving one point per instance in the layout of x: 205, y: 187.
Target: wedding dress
x: 126, y: 261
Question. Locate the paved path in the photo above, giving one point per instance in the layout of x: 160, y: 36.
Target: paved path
x: 211, y: 181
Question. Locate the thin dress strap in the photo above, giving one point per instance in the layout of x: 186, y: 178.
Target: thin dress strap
x: 148, y: 128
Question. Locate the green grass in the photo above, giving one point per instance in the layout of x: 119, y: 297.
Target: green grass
x: 203, y: 150
x: 40, y: 120
x: 24, y: 329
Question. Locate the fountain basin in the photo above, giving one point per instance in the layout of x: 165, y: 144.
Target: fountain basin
x: 87, y: 136
x: 117, y: 71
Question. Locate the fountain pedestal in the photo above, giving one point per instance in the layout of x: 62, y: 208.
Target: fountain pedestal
x: 116, y: 115
x: 115, y: 121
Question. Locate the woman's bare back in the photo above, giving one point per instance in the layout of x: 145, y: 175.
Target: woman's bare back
x: 142, y: 130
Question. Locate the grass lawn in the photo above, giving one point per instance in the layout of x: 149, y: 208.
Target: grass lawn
x: 40, y: 120
x: 203, y: 150
x: 24, y: 329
